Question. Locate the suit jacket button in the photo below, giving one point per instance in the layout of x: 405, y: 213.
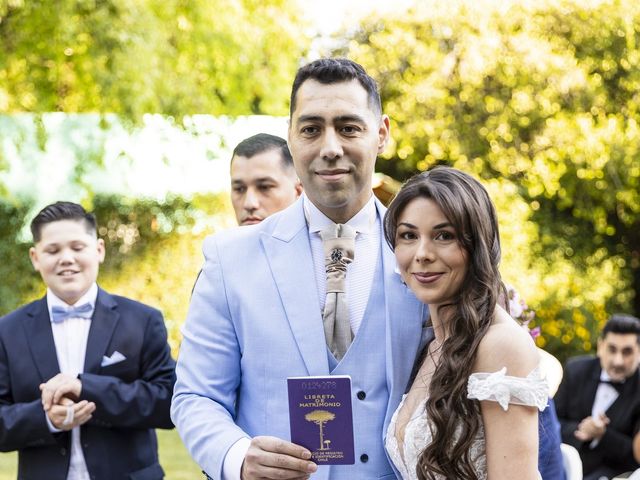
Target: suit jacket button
x: 63, y: 451
x: 364, y: 458
x: 361, y: 395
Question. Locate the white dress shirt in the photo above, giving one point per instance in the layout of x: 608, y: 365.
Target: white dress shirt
x: 365, y: 259
x: 605, y: 396
x: 359, y: 281
x: 70, y: 338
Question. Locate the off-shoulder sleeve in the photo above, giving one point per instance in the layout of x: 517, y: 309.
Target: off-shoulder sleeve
x: 531, y: 390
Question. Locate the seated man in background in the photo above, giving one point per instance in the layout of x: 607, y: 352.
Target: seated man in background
x: 85, y: 376
x: 598, y: 401
x: 263, y: 179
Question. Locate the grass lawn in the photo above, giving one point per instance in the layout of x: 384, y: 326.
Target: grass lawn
x: 175, y: 460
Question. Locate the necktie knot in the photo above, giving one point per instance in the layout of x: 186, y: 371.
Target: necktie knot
x: 60, y: 314
x: 339, y: 245
x: 336, y: 255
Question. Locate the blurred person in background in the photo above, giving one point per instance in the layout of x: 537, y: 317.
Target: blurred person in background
x: 598, y: 401
x: 263, y: 179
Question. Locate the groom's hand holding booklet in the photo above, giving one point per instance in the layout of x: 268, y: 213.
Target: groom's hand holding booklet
x: 321, y: 419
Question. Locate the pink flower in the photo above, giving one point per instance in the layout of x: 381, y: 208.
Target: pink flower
x: 519, y: 310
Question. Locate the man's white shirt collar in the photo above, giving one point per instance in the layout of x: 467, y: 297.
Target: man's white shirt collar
x: 363, y: 221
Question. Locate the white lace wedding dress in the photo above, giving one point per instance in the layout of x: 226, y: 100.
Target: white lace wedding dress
x: 531, y: 390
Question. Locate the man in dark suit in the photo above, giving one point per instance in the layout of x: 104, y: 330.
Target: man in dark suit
x: 85, y: 376
x: 598, y: 401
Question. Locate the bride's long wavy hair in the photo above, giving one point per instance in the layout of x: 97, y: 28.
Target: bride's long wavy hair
x: 454, y: 419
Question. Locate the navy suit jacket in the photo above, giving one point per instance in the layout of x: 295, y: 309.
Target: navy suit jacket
x: 132, y: 397
x: 574, y: 401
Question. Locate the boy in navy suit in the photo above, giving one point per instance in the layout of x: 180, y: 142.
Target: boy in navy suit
x: 85, y: 376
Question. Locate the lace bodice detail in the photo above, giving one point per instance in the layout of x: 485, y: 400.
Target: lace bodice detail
x: 531, y: 390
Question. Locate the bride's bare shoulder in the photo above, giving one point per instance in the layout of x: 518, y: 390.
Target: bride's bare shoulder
x: 506, y: 344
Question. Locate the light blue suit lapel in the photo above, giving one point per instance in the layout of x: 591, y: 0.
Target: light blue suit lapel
x: 288, y: 253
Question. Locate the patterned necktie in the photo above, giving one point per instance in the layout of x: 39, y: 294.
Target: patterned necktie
x: 60, y: 314
x: 339, y: 245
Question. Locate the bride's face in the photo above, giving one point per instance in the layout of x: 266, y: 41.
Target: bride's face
x: 431, y: 261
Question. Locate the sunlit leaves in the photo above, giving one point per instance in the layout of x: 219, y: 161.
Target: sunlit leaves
x: 544, y: 96
x: 133, y: 57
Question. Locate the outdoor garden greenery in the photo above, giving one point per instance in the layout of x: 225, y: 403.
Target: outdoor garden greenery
x: 537, y: 98
x: 541, y: 100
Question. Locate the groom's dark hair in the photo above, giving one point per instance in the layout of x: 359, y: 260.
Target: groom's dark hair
x: 336, y: 70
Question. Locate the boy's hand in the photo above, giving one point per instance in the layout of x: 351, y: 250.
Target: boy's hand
x: 59, y: 387
x: 68, y: 414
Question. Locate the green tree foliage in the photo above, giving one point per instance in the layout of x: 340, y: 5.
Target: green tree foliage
x: 132, y: 57
x: 154, y: 250
x: 542, y: 95
x: 18, y: 279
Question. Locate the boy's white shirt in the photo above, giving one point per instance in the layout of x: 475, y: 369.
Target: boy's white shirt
x: 70, y: 338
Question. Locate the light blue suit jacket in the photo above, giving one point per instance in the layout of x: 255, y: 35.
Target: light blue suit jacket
x: 255, y: 320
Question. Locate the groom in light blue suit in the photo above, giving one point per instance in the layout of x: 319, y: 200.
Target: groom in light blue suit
x: 256, y: 313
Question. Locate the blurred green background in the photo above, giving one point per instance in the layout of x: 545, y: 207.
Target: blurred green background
x: 539, y: 99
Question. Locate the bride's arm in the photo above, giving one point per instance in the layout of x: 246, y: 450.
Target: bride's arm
x: 511, y: 435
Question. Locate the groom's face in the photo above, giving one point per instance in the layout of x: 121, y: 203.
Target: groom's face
x: 334, y: 138
x: 619, y: 355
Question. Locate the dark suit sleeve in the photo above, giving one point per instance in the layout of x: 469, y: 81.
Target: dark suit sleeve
x: 22, y: 424
x: 617, y: 447
x: 566, y: 415
x: 145, y: 402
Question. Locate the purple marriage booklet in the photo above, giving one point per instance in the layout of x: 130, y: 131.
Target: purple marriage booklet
x: 321, y: 419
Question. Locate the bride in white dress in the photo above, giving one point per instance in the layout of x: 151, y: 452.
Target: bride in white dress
x: 472, y: 409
